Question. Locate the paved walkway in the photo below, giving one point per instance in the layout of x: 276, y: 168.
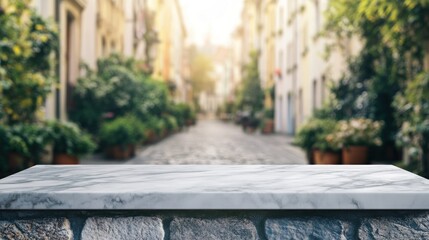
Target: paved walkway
x: 215, y: 142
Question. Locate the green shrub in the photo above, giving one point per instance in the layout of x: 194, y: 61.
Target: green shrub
x: 269, y: 113
x: 116, y: 89
x: 171, y: 123
x: 122, y: 131
x: 26, y: 44
x: 68, y: 138
x: 182, y: 112
x: 313, y: 132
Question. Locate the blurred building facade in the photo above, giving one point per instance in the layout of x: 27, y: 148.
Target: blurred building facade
x: 250, y: 29
x: 267, y: 48
x: 170, y: 50
x: 236, y: 61
x: 292, y: 56
x: 93, y: 29
x: 68, y: 16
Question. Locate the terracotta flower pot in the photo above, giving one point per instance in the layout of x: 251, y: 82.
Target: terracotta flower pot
x: 355, y: 155
x: 328, y: 157
x: 268, y: 127
x: 66, y: 159
x: 15, y: 161
x: 118, y: 152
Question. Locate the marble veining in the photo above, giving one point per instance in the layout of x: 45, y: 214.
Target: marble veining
x: 203, y: 187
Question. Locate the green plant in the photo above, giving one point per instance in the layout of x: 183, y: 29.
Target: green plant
x: 161, y: 126
x: 314, y: 133
x: 357, y: 132
x: 33, y: 136
x: 116, y: 89
x: 269, y: 113
x: 122, y: 131
x: 68, y: 138
x: 254, y: 121
x: 26, y: 44
x: 16, y: 144
x: 250, y: 96
x: 171, y: 123
x: 393, y: 34
x: 413, y: 114
x: 182, y: 112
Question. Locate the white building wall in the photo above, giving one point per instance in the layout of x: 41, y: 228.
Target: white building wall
x: 281, y: 87
x: 89, y: 34
x: 46, y: 8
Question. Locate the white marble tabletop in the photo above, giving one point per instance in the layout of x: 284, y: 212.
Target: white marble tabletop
x: 182, y: 187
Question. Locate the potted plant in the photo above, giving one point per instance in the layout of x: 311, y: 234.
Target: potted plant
x: 326, y: 149
x: 119, y: 137
x: 268, y: 121
x: 17, y: 152
x: 69, y: 143
x: 171, y: 124
x: 355, y: 136
x: 3, y: 151
x: 161, y: 128
x: 310, y: 133
x: 26, y: 144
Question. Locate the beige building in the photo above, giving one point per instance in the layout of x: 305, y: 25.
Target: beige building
x: 251, y: 29
x: 88, y: 30
x: 103, y: 31
x: 169, y: 64
x: 68, y: 15
x: 267, y: 48
x: 137, y: 14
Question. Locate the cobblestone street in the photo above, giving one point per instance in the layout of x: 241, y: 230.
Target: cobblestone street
x: 215, y: 142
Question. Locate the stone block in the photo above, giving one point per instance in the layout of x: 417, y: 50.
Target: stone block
x: 213, y: 229
x: 307, y: 228
x: 127, y: 228
x: 46, y: 229
x: 407, y: 227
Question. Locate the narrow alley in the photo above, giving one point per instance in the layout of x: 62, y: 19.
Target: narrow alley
x: 216, y: 142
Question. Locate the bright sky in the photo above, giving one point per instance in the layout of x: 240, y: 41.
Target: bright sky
x: 219, y: 18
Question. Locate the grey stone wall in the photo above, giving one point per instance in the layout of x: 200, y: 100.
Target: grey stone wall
x: 222, y: 225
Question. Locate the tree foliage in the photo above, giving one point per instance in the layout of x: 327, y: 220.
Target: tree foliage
x: 201, y: 68
x: 251, y: 96
x: 394, y: 36
x: 26, y: 43
x: 118, y: 87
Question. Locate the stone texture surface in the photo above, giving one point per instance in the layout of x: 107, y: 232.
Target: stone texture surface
x: 407, y: 227
x: 49, y: 228
x: 126, y: 228
x: 216, y: 142
x: 307, y: 228
x: 213, y: 229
